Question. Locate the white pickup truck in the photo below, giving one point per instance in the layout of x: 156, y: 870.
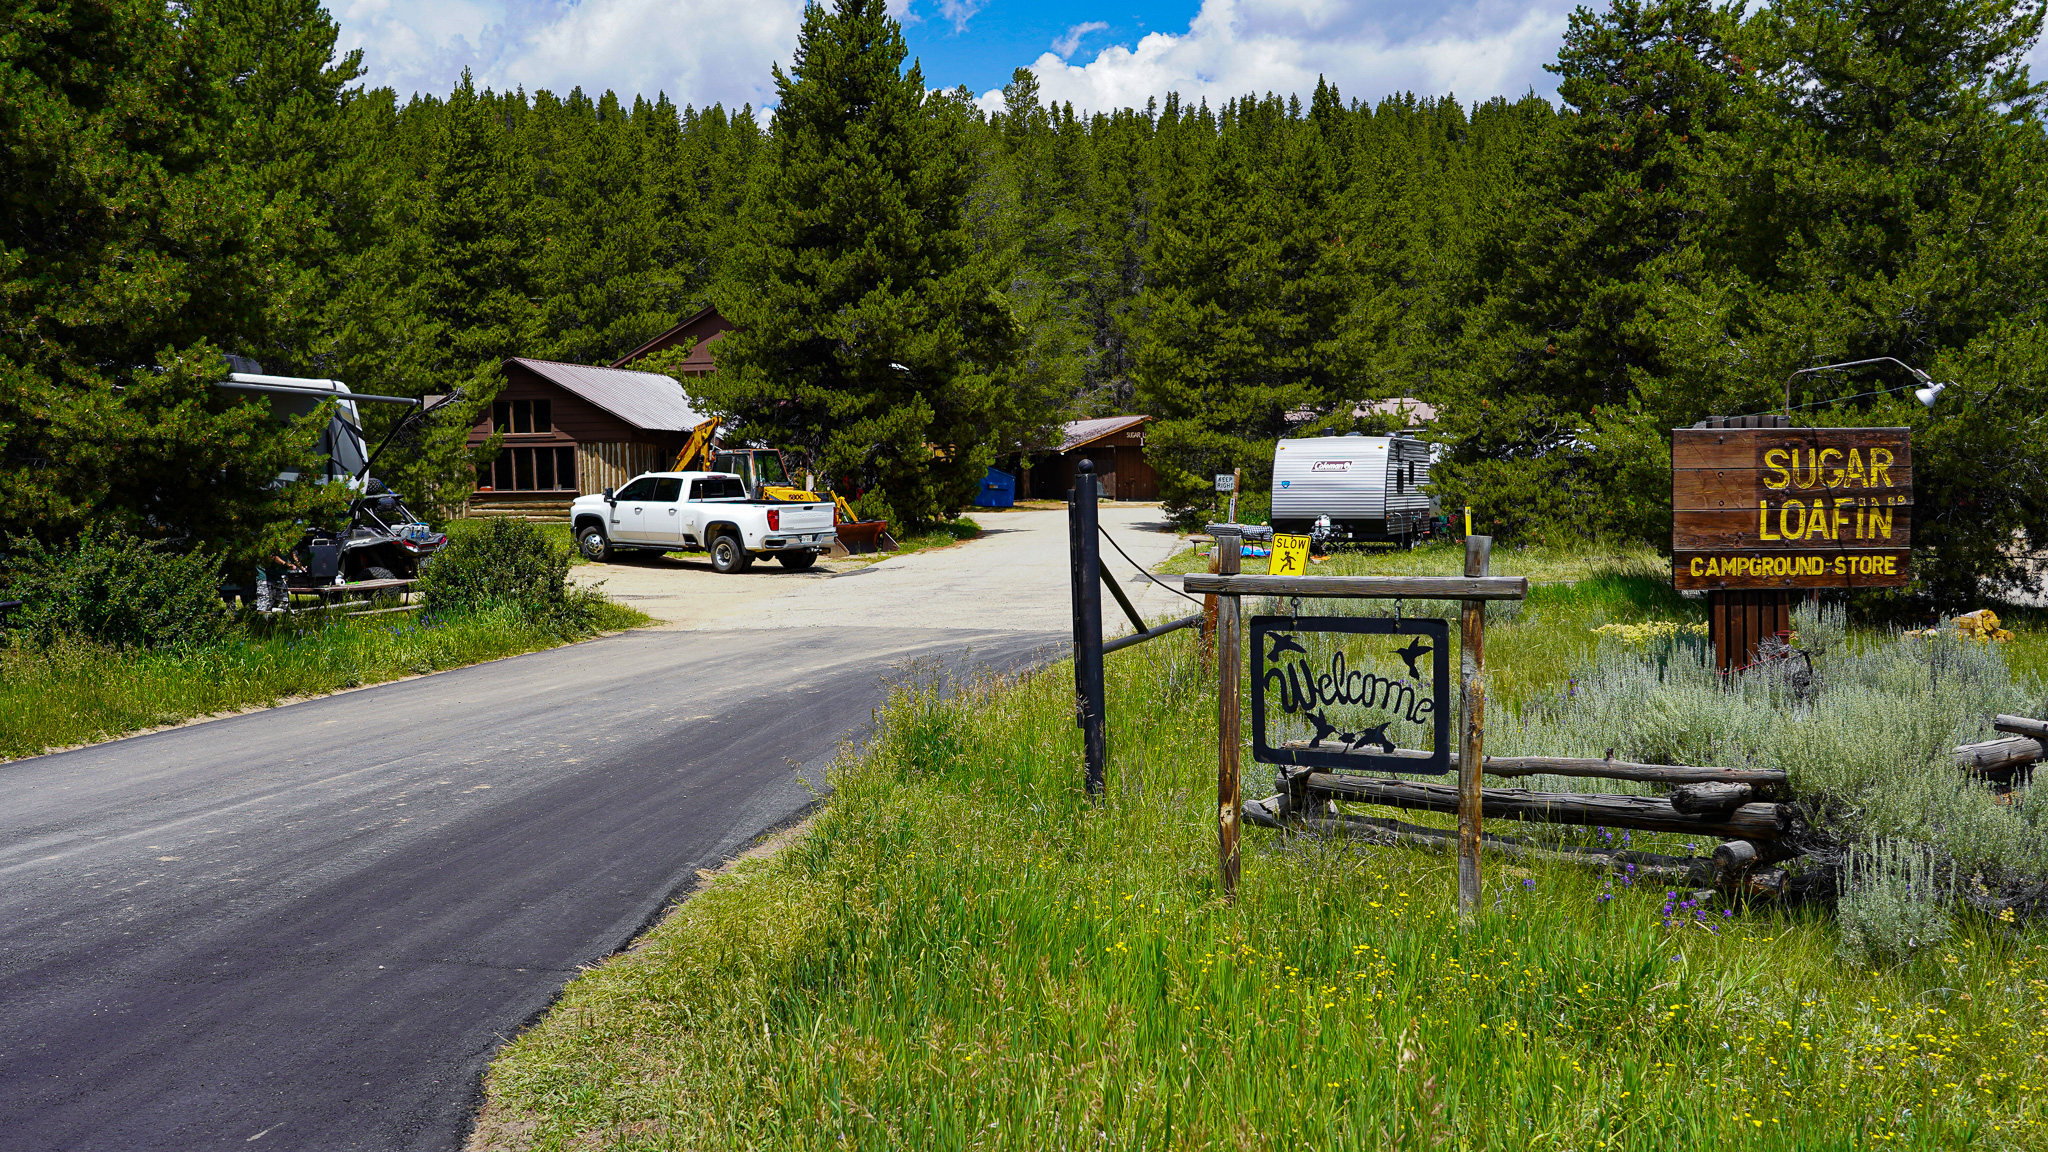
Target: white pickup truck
x: 701, y: 511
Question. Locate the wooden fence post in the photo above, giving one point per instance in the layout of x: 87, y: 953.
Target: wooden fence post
x: 1229, y: 657
x: 1088, y: 682
x: 1472, y: 735
x: 1209, y: 615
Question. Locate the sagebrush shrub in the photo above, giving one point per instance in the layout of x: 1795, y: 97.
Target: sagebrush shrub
x: 109, y: 587
x: 1894, y: 902
x: 506, y: 564
x: 1868, y: 744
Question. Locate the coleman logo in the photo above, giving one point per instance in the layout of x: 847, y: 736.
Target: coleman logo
x: 1330, y: 466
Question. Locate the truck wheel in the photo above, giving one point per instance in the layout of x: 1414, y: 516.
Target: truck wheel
x: 728, y: 555
x: 797, y: 560
x: 590, y: 540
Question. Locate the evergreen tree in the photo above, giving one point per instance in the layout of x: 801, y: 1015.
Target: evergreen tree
x: 603, y: 293
x: 1251, y: 325
x: 871, y: 333
x: 1549, y: 429
x: 131, y: 255
x: 474, y: 288
x: 1885, y: 202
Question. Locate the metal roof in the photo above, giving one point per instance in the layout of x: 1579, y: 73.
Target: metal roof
x: 646, y: 400
x: 1079, y: 432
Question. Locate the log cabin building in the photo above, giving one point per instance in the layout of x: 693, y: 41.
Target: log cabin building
x: 572, y: 429
x: 1116, y: 445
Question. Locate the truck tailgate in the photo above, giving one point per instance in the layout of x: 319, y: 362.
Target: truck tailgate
x: 805, y: 517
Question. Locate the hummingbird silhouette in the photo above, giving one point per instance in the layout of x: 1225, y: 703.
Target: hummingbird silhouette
x: 1374, y: 736
x: 1282, y: 644
x: 1415, y: 650
x: 1324, y: 728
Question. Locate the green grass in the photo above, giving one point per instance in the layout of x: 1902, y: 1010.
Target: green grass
x: 77, y: 693
x: 938, y: 534
x: 966, y: 952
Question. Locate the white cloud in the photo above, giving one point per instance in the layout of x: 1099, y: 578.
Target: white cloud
x: 1368, y: 48
x: 957, y: 12
x: 1065, y: 45
x: 704, y: 52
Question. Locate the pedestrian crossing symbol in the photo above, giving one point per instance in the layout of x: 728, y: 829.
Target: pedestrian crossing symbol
x: 1290, y: 556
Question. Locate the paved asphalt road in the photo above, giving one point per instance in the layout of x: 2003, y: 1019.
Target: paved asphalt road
x: 311, y: 927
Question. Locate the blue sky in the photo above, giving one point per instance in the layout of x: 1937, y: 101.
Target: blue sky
x: 1097, y: 56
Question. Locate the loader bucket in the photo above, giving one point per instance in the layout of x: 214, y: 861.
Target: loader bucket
x: 863, y: 538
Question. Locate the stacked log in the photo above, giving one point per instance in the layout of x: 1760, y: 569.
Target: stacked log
x: 1594, y: 809
x: 2008, y: 760
x: 1739, y: 806
x: 1711, y: 799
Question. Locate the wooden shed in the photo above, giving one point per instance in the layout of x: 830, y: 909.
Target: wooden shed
x: 1116, y: 445
x: 572, y: 429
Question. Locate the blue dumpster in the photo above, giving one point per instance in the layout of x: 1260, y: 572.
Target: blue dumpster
x: 998, y: 490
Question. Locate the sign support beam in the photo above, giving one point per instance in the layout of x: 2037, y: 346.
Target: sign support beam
x: 1472, y: 735
x: 1229, y: 658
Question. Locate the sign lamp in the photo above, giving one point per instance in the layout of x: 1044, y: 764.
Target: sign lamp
x: 1926, y: 394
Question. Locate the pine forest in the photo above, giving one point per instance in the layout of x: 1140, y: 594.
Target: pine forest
x: 1717, y: 196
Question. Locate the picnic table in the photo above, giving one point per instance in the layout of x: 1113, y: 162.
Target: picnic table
x: 368, y: 589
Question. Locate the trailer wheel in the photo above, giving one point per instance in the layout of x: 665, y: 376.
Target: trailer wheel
x: 590, y: 540
x: 728, y: 555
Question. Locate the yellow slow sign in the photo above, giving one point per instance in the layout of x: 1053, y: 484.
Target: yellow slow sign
x: 1290, y: 556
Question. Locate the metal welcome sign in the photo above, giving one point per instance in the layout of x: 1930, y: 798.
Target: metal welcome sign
x: 1352, y: 693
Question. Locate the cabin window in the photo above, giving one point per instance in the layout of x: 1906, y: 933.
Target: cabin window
x: 529, y: 470
x: 522, y: 417
x: 667, y: 490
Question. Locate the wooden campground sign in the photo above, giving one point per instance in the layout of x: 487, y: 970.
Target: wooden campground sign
x: 1779, y: 508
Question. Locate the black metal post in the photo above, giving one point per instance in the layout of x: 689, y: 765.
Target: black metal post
x: 1088, y: 689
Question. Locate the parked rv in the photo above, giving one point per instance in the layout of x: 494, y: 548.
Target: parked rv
x: 1353, y: 489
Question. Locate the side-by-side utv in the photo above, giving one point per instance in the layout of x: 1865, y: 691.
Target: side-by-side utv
x: 379, y: 539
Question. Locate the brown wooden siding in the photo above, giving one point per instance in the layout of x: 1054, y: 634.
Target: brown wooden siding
x: 1053, y: 476
x: 575, y: 419
x: 539, y: 507
x: 706, y: 328
x: 609, y: 451
x: 602, y: 466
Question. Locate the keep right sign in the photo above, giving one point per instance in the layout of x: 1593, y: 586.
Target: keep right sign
x: 1791, y: 507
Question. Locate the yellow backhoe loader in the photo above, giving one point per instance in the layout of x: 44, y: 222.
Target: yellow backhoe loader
x: 767, y: 476
x: 761, y: 468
